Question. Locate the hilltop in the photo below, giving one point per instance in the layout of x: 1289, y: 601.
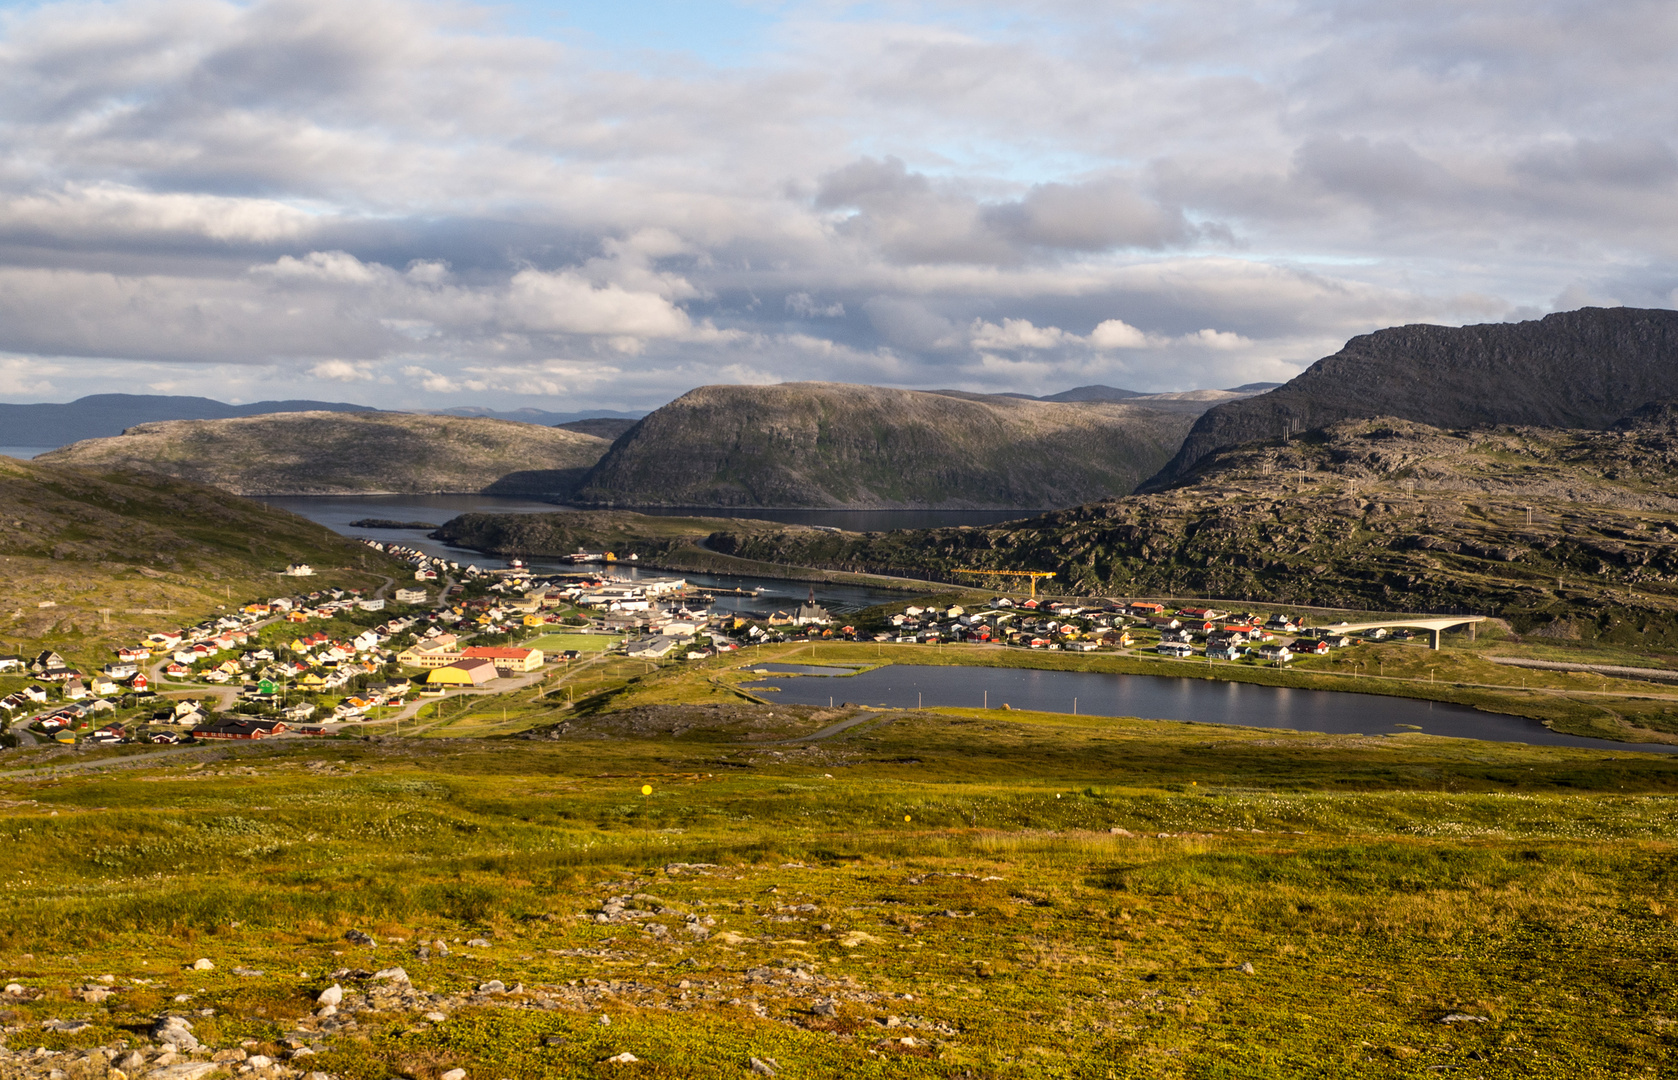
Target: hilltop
x: 88, y: 557
x: 844, y: 446
x: 321, y: 453
x: 1574, y: 369
x: 1381, y: 514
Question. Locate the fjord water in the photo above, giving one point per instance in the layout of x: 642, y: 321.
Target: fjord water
x: 1160, y: 697
x: 337, y: 511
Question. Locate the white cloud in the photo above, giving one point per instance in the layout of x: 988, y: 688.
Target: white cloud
x: 1016, y: 334
x: 1117, y: 334
x: 341, y: 371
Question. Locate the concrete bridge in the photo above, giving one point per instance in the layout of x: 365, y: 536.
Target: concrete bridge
x: 1434, y: 627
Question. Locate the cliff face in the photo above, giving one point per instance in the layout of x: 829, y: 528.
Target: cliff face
x: 1575, y: 369
x: 320, y: 453
x: 844, y: 446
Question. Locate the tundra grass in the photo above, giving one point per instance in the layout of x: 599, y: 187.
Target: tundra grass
x: 952, y: 879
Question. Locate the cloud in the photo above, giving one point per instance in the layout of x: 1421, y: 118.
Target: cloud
x: 341, y: 371
x: 805, y: 306
x: 1117, y: 334
x: 417, y: 201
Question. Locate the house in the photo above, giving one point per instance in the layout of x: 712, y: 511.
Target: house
x: 1224, y: 650
x: 1315, y: 646
x: 427, y: 656
x: 238, y: 727
x: 507, y: 659
x: 166, y: 738
x: 652, y: 648
x: 139, y: 683
x: 1178, y: 649
x: 1279, y: 654
x: 463, y: 672
x: 300, y: 570
x: 47, y: 661
x: 411, y: 596
x: 372, y: 605
x: 1145, y: 608
x: 11, y: 663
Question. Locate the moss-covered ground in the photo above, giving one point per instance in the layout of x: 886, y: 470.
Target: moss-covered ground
x: 949, y: 878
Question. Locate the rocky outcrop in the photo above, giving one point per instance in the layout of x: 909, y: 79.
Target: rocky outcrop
x: 1576, y: 369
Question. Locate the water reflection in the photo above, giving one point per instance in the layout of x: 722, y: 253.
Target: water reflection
x: 1157, y: 697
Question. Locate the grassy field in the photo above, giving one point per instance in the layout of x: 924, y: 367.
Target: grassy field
x: 944, y: 894
x: 554, y: 644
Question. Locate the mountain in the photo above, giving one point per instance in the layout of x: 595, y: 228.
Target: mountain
x: 601, y: 427
x: 537, y: 416
x: 323, y: 453
x: 840, y: 445
x: 1567, y: 534
x: 1087, y: 393
x: 101, y: 415
x: 1575, y: 369
x: 91, y: 559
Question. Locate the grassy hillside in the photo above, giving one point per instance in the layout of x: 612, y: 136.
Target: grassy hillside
x: 113, y: 553
x: 321, y: 453
x: 1379, y: 515
x: 836, y: 445
x: 948, y: 893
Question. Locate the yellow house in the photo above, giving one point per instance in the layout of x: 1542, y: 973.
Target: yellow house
x: 534, y: 620
x: 312, y: 681
x: 463, y: 673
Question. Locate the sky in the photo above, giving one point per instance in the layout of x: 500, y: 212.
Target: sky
x: 573, y: 206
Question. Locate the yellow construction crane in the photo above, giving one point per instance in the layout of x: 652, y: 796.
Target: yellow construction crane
x: 1032, y: 574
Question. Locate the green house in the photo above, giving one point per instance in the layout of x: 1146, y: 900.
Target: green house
x: 267, y: 687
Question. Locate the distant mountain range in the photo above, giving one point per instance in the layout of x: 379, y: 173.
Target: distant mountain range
x: 325, y: 453
x: 1114, y: 393
x: 538, y: 416
x: 100, y: 415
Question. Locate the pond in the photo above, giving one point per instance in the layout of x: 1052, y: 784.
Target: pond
x: 1160, y: 697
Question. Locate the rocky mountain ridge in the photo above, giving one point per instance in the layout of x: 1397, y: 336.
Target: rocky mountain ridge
x: 1576, y: 369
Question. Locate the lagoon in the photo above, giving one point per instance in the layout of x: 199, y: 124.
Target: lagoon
x: 1161, y: 697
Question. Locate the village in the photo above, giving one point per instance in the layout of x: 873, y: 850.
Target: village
x: 316, y: 663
